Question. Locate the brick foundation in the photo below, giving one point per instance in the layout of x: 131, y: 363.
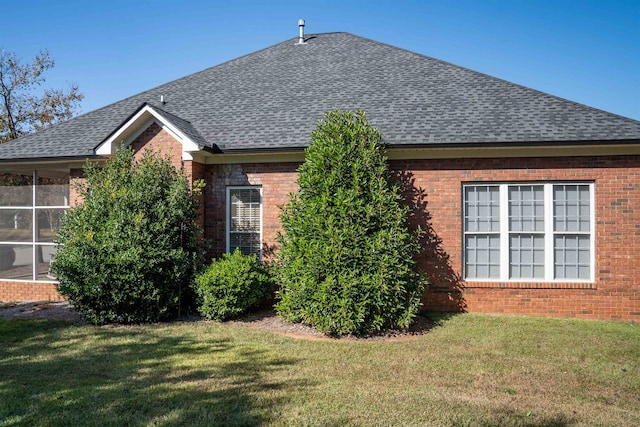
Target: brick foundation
x: 28, y: 291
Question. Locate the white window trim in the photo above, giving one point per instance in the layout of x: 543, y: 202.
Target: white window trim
x: 33, y: 243
x: 137, y: 124
x: 549, y: 233
x: 228, y: 214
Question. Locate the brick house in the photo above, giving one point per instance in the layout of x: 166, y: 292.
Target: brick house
x: 531, y: 202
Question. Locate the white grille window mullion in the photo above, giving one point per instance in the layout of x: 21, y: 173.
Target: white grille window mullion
x: 34, y: 227
x: 549, y: 253
x: 504, y: 232
x: 592, y: 230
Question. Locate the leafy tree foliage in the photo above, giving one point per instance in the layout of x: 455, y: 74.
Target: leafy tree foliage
x: 346, y: 259
x: 21, y: 110
x: 128, y: 253
x: 231, y: 285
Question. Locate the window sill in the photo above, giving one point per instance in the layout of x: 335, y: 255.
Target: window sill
x: 529, y: 285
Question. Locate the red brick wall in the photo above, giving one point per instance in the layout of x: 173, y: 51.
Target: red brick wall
x: 194, y: 172
x: 76, y: 177
x: 277, y: 181
x: 434, y: 188
x: 615, y: 294
x: 28, y: 291
x: 160, y: 141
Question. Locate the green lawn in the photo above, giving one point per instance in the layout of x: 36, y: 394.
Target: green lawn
x: 470, y: 370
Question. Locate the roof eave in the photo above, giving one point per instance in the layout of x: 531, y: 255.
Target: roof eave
x: 516, y: 144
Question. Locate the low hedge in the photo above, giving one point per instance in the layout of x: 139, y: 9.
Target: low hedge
x: 232, y: 285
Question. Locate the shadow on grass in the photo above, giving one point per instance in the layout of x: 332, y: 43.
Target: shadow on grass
x: 54, y: 373
x: 511, y: 417
x: 440, y: 318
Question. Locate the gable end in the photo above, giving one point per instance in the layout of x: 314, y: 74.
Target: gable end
x: 140, y: 121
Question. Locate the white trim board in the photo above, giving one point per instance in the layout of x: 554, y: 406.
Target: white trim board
x: 137, y: 124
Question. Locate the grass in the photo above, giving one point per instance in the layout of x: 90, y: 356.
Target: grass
x: 469, y: 370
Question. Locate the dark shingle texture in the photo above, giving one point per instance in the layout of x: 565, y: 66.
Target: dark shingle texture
x: 182, y: 125
x: 273, y: 98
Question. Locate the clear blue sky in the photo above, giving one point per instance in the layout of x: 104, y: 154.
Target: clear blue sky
x: 586, y: 51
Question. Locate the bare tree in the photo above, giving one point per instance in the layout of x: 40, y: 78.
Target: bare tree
x: 23, y: 111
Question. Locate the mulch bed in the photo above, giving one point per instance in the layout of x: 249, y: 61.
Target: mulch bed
x: 263, y: 319
x: 54, y: 310
x: 269, y: 320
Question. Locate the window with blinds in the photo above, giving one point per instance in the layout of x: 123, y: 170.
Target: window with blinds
x: 244, y: 220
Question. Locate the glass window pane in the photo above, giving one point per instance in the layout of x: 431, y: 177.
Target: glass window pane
x: 44, y: 257
x: 482, y: 214
x: 526, y: 207
x: 482, y: 271
x: 571, y: 208
x: 572, y: 213
x: 16, y: 225
x: 52, y: 188
x: 16, y: 189
x: 571, y: 216
x: 482, y: 208
x: 248, y: 243
x: 482, y: 256
x: 583, y: 272
x: 234, y: 241
x: 526, y: 256
x: 19, y: 221
x: 16, y: 262
x: 572, y: 257
x: 48, y: 224
x: 244, y: 221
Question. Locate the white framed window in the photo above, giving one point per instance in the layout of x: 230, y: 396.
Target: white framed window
x: 244, y: 219
x: 529, y: 231
x: 32, y: 204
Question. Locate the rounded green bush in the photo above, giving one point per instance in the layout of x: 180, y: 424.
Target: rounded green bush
x: 129, y: 252
x: 231, y: 285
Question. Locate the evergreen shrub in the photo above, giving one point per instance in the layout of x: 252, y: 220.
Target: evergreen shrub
x: 128, y: 253
x: 346, y: 262
x: 232, y: 285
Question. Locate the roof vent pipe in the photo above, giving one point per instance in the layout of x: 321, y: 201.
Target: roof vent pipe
x: 301, y: 26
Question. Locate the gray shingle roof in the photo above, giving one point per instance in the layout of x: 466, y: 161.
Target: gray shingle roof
x: 273, y: 98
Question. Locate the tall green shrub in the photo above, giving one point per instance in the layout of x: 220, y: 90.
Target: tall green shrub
x: 346, y: 259
x: 128, y: 253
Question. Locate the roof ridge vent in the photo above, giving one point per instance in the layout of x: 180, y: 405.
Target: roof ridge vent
x: 301, y: 27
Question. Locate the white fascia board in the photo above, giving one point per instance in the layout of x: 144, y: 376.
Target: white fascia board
x: 255, y: 157
x: 43, y: 165
x: 137, y: 124
x: 418, y: 153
